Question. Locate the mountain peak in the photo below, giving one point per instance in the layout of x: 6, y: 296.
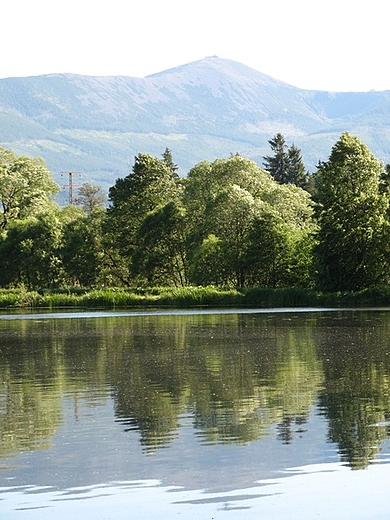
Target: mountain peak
x: 213, y: 67
x: 204, y: 109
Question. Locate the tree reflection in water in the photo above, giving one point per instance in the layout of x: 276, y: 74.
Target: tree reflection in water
x: 239, y: 377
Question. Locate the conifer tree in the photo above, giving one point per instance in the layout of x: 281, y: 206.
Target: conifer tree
x: 286, y: 165
x: 296, y: 169
x: 277, y: 164
x: 168, y: 160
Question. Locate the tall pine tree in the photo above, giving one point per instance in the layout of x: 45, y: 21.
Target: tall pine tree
x: 277, y: 164
x: 286, y: 164
x: 296, y: 169
x: 168, y: 160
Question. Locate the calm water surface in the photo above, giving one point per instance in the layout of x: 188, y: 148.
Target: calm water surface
x: 192, y: 414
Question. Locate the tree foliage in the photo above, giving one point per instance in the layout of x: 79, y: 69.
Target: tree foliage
x: 90, y: 197
x: 228, y: 223
x: 286, y: 164
x: 226, y: 201
x: 352, y: 215
x: 30, y: 252
x: 26, y: 187
x: 168, y: 159
x: 151, y: 184
x: 160, y: 258
x: 82, y: 253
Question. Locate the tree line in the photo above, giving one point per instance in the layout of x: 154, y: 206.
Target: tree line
x: 227, y: 223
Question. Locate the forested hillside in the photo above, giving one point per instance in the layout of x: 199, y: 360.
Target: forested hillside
x: 201, y: 111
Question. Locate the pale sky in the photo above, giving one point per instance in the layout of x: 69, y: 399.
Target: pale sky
x: 337, y: 45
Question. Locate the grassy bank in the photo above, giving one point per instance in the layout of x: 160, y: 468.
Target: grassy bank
x: 187, y: 297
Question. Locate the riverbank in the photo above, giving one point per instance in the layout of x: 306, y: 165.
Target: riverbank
x: 188, y: 297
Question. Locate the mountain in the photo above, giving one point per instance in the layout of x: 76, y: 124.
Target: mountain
x: 206, y: 109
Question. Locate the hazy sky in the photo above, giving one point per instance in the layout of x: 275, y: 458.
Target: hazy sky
x: 334, y: 45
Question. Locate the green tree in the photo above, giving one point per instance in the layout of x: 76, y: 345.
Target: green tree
x: 26, y: 187
x: 221, y: 199
x: 385, y: 180
x: 292, y: 203
x: 231, y: 200
x: 231, y: 217
x: 82, y: 252
x: 150, y: 185
x: 277, y: 164
x: 297, y: 173
x: 268, y: 251
x: 352, y: 215
x: 30, y: 252
x: 207, y: 180
x: 286, y: 164
x: 209, y: 265
x: 168, y: 159
x: 160, y: 257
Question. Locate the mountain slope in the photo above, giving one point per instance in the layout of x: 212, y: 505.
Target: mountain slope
x: 202, y: 110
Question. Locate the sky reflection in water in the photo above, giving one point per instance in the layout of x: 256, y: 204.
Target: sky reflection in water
x: 325, y: 491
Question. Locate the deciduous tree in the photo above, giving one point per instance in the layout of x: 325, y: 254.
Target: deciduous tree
x: 160, y: 258
x: 26, y: 187
x: 29, y: 252
x: 229, y: 203
x: 82, y: 254
x: 150, y: 185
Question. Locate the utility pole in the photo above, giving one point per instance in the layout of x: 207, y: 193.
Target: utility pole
x: 71, y: 186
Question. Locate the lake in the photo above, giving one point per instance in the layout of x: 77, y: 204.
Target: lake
x: 198, y: 414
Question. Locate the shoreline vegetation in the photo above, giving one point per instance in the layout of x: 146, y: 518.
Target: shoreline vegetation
x: 187, y: 297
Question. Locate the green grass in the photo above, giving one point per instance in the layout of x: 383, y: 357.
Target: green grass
x: 290, y: 297
x: 185, y: 297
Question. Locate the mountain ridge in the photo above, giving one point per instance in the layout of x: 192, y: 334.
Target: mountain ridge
x: 201, y: 110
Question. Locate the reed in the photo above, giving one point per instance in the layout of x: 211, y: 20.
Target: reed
x: 19, y: 298
x: 59, y: 299
x: 103, y: 298
x: 181, y: 297
x: 200, y: 296
x: 8, y: 298
x: 111, y: 298
x: 289, y: 297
